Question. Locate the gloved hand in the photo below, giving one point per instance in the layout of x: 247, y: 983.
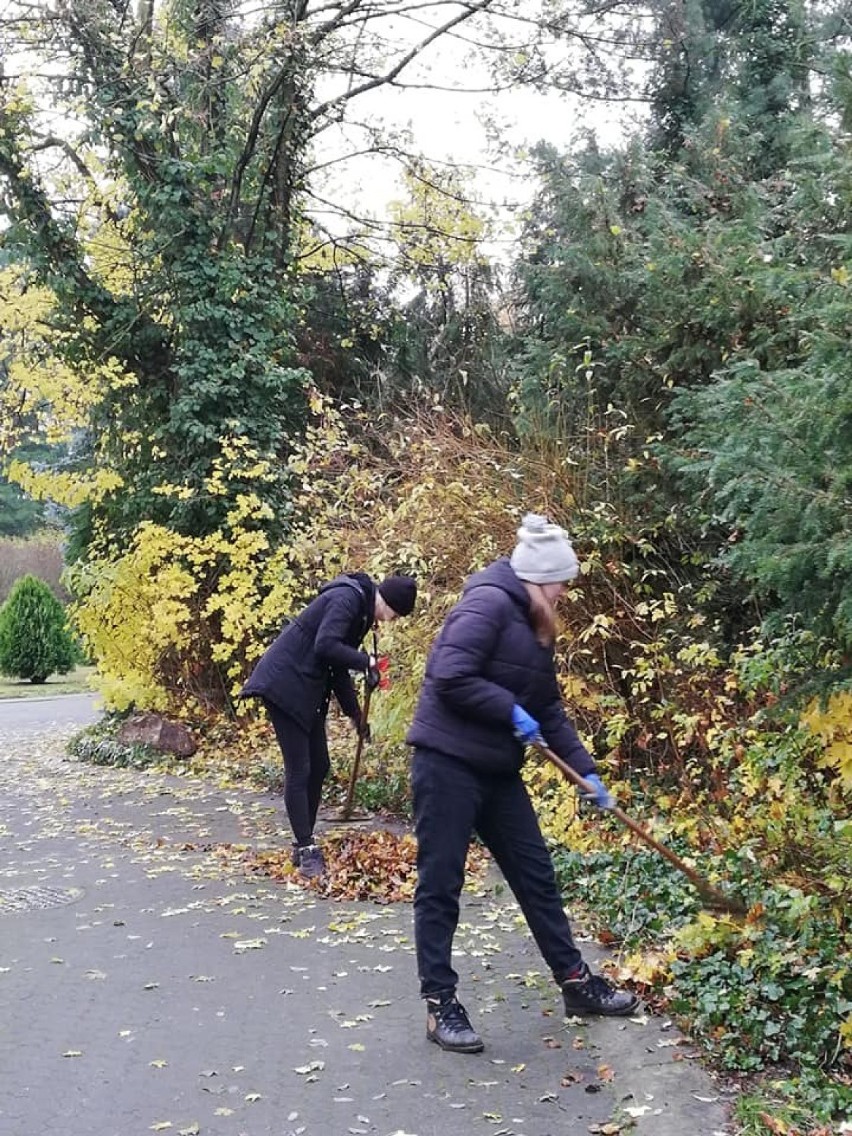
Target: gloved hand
x: 372, y: 676
x: 526, y: 727
x: 601, y: 797
x: 377, y: 672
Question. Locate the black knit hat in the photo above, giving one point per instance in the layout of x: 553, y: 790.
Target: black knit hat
x: 399, y: 592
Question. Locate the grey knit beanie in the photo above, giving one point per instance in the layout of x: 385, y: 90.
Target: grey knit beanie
x: 543, y: 554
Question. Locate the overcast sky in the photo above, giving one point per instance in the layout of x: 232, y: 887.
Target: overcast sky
x: 451, y: 126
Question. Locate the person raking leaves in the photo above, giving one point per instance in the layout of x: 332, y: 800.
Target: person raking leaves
x: 308, y: 662
x: 490, y: 689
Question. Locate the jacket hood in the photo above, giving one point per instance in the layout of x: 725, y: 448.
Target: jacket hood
x: 347, y: 579
x: 360, y: 581
x: 501, y: 575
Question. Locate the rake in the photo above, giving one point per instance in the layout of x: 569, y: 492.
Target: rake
x: 346, y: 811
x: 711, y: 897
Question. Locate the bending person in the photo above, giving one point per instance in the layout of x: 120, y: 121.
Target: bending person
x: 490, y: 688
x: 296, y: 676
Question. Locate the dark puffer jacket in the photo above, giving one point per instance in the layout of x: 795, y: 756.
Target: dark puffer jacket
x: 315, y: 652
x: 485, y: 659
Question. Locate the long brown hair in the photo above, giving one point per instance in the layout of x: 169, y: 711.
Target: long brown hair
x: 542, y: 615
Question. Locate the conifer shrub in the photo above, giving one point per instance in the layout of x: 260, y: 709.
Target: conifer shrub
x: 34, y: 638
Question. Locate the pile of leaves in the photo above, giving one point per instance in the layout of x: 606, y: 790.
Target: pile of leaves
x: 375, y: 865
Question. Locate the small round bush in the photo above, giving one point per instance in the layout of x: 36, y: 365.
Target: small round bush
x: 34, y: 638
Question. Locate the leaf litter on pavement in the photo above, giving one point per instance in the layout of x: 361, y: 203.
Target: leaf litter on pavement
x: 167, y: 824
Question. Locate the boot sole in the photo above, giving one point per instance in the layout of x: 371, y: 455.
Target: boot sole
x: 580, y: 1012
x: 477, y: 1048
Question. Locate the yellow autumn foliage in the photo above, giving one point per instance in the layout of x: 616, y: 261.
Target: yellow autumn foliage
x: 832, y: 723
x: 38, y: 383
x: 173, y: 620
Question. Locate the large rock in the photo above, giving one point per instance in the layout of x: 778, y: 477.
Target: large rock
x: 152, y: 730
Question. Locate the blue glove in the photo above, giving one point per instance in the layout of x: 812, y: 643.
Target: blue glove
x: 526, y: 727
x: 601, y: 797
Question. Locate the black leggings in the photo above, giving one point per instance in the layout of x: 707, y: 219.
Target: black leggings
x: 306, y: 767
x: 451, y: 802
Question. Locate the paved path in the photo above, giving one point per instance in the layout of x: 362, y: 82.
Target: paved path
x: 19, y: 716
x: 145, y: 987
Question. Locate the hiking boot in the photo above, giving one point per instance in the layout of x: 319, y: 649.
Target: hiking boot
x: 448, y: 1025
x: 587, y: 993
x: 311, y: 861
x: 295, y: 854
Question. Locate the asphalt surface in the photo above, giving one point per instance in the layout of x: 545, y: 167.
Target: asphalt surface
x: 147, y: 986
x: 22, y: 716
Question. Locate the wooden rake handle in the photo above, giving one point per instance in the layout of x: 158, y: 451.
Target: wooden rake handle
x: 346, y: 811
x: 712, y: 895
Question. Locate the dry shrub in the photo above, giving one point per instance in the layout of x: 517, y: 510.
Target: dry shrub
x: 440, y: 497
x: 39, y: 556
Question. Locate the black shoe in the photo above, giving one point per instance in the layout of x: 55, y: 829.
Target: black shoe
x: 588, y: 993
x: 311, y: 861
x: 448, y: 1025
x: 295, y: 854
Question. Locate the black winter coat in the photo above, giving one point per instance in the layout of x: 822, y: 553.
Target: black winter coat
x: 485, y: 659
x: 315, y: 652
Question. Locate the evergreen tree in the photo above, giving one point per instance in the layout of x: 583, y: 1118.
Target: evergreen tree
x: 701, y: 291
x: 34, y: 637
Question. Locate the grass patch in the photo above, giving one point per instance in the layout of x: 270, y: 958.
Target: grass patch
x: 77, y: 681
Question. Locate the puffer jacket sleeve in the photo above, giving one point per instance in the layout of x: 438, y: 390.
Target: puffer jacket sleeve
x: 466, y: 645
x: 342, y: 610
x: 344, y: 691
x: 560, y: 735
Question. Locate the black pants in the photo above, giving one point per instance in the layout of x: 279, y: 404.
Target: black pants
x: 451, y: 802
x: 306, y: 767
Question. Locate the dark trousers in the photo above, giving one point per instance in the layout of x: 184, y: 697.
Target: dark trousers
x: 451, y: 802
x: 306, y: 767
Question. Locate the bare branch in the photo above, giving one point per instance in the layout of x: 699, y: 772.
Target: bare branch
x: 400, y: 65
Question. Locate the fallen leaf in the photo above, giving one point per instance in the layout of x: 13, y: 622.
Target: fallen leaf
x: 73, y: 1053
x: 311, y: 1067
x: 159, y: 1063
x: 774, y: 1124
x: 249, y: 945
